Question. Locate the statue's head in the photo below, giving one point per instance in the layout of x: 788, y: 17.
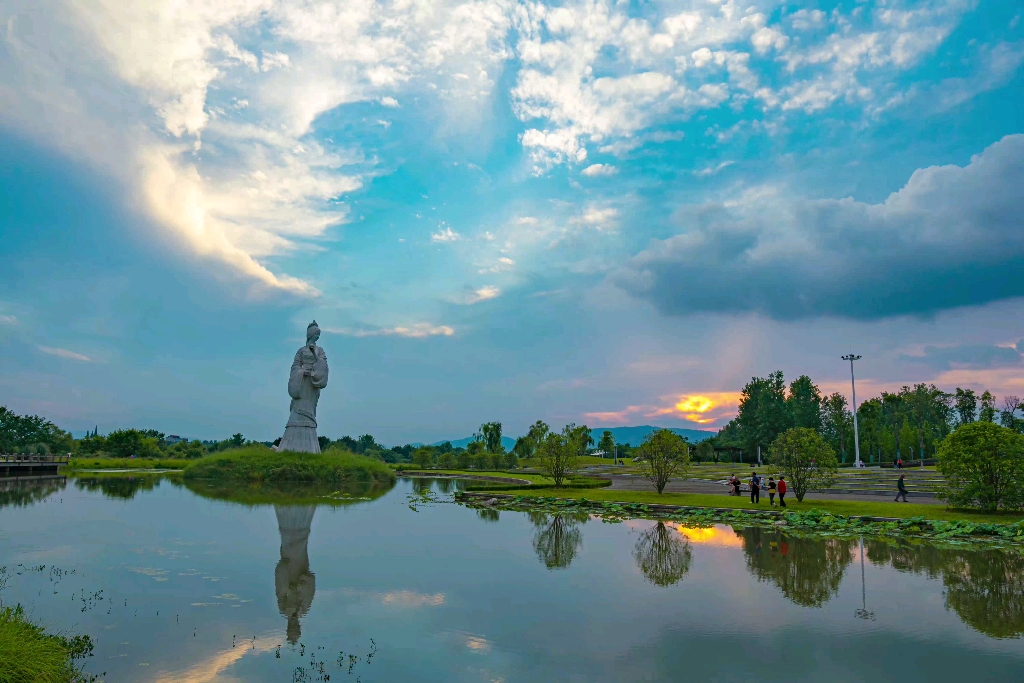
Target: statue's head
x: 312, y: 333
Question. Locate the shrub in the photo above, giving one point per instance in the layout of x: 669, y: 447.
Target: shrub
x: 125, y: 443
x: 663, y: 454
x: 447, y: 461
x: 463, y: 460
x: 983, y: 464
x: 805, y: 459
x: 423, y: 457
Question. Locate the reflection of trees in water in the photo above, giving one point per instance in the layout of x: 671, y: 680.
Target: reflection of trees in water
x: 807, y: 571
x: 120, y: 487
x: 984, y: 587
x: 293, y: 582
x: 557, y: 538
x: 445, y: 485
x: 663, y: 555
x: 24, y: 492
x: 487, y: 514
x: 421, y: 485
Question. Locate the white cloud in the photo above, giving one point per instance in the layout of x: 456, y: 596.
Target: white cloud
x: 597, y: 218
x: 478, y: 295
x: 712, y: 170
x: 8, y: 320
x: 596, y: 170
x: 388, y: 102
x: 445, y: 235
x: 805, y: 20
x: 414, y: 331
x: 64, y: 353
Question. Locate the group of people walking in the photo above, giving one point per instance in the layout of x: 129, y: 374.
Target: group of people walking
x: 757, y: 483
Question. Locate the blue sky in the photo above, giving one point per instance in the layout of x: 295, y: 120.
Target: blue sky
x: 610, y: 213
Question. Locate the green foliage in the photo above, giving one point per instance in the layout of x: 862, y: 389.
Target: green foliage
x: 763, y: 413
x: 423, y: 457
x: 965, y: 403
x: 607, y: 443
x: 663, y: 555
x: 809, y: 573
x: 491, y: 433
x: 261, y: 464
x: 804, y: 403
x: 124, y: 443
x: 805, y: 460
x: 19, y: 432
x: 463, y: 460
x: 983, y: 465
x: 28, y: 654
x: 663, y: 455
x: 447, y: 461
x: 559, y: 453
x: 988, y: 408
x: 511, y: 461
x: 836, y: 423
x: 187, y: 450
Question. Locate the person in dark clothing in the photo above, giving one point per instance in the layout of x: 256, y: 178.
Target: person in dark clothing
x: 755, y: 489
x: 781, y: 488
x: 771, y: 491
x: 902, y: 489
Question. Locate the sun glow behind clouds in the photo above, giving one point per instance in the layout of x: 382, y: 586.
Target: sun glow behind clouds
x: 712, y: 409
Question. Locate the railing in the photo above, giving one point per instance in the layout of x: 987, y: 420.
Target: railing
x: 26, y: 458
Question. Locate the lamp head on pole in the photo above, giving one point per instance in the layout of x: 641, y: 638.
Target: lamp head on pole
x: 851, y: 357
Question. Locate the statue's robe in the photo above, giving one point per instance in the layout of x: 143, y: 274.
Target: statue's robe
x: 300, y: 433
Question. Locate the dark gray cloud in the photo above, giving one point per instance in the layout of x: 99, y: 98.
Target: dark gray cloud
x: 968, y: 356
x: 952, y: 236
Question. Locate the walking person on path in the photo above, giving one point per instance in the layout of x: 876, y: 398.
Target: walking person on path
x: 771, y: 491
x: 902, y: 489
x: 782, y: 491
x: 755, y: 489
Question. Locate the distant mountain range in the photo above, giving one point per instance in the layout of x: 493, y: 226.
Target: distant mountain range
x: 631, y: 435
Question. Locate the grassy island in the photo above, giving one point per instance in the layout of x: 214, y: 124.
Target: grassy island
x: 259, y: 464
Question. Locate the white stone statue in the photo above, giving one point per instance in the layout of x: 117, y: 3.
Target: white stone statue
x: 308, y: 377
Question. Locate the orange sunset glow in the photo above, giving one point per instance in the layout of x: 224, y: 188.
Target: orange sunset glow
x: 723, y: 537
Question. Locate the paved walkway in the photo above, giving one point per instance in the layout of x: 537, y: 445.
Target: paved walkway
x: 625, y: 482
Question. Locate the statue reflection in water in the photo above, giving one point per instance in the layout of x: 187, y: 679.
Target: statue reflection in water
x: 293, y: 582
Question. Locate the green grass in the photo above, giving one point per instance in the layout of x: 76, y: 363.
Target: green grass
x: 129, y: 463
x: 289, y: 492
x: 259, y: 464
x: 28, y: 654
x: 836, y: 507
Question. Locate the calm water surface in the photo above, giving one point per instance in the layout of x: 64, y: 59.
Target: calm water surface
x: 174, y: 586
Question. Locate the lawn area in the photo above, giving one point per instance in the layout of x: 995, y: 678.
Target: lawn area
x: 836, y: 507
x: 128, y: 464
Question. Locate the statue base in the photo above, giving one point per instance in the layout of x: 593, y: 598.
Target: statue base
x: 300, y: 440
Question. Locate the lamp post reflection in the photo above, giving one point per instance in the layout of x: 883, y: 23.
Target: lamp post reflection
x: 293, y: 582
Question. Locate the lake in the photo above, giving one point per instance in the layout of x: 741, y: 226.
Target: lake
x: 380, y: 586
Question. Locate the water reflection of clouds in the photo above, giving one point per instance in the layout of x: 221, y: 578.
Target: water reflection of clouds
x: 412, y: 599
x: 152, y: 572
x: 211, y: 668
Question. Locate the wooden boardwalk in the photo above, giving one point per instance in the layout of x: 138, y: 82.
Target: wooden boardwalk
x: 31, y: 465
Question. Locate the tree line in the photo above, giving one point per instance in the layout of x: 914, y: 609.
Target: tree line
x: 906, y: 424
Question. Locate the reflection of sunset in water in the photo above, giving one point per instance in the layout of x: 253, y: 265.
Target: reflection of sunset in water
x: 712, y: 535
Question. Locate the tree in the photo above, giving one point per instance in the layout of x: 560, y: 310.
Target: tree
x: 805, y: 460
x: 1008, y: 416
x: 894, y: 416
x: 928, y: 411
x: 463, y: 459
x: 705, y: 452
x: 663, y: 454
x: 524, y: 448
x: 663, y: 555
x: 763, y: 413
x: 870, y: 425
x: 965, y: 403
x: 237, y: 440
x: 511, y: 460
x: 607, y: 444
x: 983, y: 465
x: 423, y: 457
x: 125, y: 443
x: 560, y: 453
x: 804, y: 403
x: 538, y: 430
x: 491, y: 433
x: 447, y: 461
x: 836, y: 422
x: 988, y: 407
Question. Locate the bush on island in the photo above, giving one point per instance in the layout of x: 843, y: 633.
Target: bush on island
x: 261, y: 464
x: 983, y: 464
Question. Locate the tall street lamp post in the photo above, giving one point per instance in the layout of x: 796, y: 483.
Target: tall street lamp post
x: 853, y: 387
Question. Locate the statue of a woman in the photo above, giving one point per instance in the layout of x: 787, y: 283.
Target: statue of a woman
x: 308, y: 377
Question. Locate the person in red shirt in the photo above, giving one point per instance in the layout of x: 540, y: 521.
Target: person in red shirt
x: 782, y: 491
